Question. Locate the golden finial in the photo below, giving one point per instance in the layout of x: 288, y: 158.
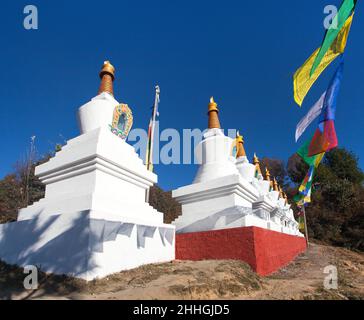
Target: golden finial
x: 275, y: 185
x: 285, y: 197
x: 213, y: 111
x: 240, y: 146
x: 107, y: 76
x: 280, y: 192
x: 258, y: 171
x: 107, y: 68
x: 239, y: 138
x: 267, y: 174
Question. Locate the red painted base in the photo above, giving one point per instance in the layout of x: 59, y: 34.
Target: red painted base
x: 264, y: 250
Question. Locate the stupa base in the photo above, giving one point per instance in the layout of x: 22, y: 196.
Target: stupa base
x: 84, y: 246
x: 266, y: 251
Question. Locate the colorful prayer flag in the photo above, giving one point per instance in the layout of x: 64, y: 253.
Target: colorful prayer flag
x: 310, y: 117
x: 345, y: 11
x: 307, y: 182
x: 155, y: 113
x: 304, y: 192
x: 302, y: 80
x: 325, y: 137
x: 302, y: 200
x: 311, y: 161
x: 148, y: 160
x: 301, y: 223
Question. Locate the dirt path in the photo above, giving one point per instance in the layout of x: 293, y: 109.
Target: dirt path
x: 302, y: 279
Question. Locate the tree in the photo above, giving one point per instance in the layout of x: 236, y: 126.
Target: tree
x: 296, y: 168
x: 276, y: 167
x: 163, y: 202
x: 345, y: 165
x: 22, y: 187
x: 337, y: 208
x: 10, y: 198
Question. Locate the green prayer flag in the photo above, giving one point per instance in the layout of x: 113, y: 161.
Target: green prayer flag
x: 311, y: 161
x: 343, y: 14
x: 301, y: 223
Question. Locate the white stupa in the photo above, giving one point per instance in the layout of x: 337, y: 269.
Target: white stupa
x: 228, y: 191
x: 93, y: 220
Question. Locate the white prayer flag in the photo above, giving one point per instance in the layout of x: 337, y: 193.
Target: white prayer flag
x: 310, y: 116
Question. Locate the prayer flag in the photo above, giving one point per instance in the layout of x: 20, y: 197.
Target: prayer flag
x: 310, y: 117
x: 332, y: 33
x: 325, y: 137
x: 302, y: 80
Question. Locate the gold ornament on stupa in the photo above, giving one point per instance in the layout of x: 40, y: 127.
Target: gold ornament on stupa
x: 285, y: 197
x: 275, y: 185
x: 281, y: 192
x: 240, y: 151
x: 267, y: 177
x: 256, y: 162
x: 122, y: 118
x: 213, y: 113
x: 267, y: 174
x: 107, y: 76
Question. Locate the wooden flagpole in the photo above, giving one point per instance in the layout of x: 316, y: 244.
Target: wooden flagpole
x: 305, y: 222
x: 156, y: 101
x: 150, y: 153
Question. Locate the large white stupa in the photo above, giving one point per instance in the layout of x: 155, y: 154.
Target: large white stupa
x: 229, y: 191
x: 94, y: 219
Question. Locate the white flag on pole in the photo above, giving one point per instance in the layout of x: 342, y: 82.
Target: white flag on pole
x: 310, y: 116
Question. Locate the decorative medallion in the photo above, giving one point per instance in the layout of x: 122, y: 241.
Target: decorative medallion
x: 233, y: 149
x: 122, y: 121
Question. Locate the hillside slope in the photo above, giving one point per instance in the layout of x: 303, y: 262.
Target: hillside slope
x: 302, y: 279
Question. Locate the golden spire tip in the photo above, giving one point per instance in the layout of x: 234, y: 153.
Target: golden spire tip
x: 213, y: 115
x: 107, y: 76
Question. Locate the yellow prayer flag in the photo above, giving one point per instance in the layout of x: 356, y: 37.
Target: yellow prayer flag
x: 302, y: 82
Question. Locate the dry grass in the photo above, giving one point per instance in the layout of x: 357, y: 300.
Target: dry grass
x: 223, y: 279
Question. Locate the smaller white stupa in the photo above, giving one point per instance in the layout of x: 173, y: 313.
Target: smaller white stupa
x: 229, y: 191
x: 93, y: 220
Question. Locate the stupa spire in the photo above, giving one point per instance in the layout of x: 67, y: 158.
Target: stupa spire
x: 107, y: 75
x: 275, y: 185
x: 267, y: 177
x: 213, y: 113
x: 257, y: 165
x: 267, y: 174
x: 285, y: 197
x: 240, y: 146
x: 281, y: 192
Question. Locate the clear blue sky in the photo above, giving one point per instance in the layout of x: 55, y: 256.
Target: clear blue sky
x: 244, y: 53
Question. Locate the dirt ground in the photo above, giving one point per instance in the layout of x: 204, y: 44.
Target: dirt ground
x: 225, y: 279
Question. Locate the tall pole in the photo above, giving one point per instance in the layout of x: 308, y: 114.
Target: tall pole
x: 305, y: 221
x: 155, y: 108
x: 29, y: 169
x: 150, y: 152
